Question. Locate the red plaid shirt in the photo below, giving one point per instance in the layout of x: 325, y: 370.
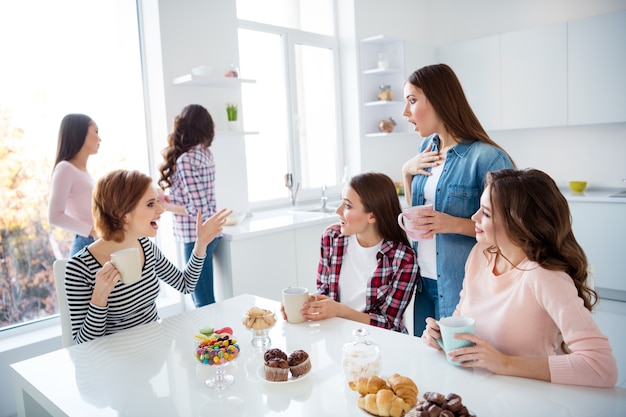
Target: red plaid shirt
x: 390, y: 287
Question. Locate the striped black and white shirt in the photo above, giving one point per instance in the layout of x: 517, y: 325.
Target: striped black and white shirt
x: 129, y: 304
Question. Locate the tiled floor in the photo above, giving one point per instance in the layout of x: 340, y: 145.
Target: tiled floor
x: 611, y: 318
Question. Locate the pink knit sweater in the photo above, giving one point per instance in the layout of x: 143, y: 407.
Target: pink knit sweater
x: 523, y: 312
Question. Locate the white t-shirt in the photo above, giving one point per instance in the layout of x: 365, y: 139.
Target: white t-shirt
x: 357, y: 268
x: 427, y: 249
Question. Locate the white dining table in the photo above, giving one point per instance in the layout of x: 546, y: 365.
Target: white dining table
x: 151, y: 370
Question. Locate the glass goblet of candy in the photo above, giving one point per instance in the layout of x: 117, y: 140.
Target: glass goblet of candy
x: 218, y: 351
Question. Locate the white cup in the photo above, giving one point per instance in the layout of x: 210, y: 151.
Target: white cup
x: 293, y: 300
x: 128, y: 263
x: 405, y: 220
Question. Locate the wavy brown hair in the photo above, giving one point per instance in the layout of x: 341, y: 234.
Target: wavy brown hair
x: 378, y: 196
x: 537, y: 219
x: 443, y: 90
x: 116, y: 194
x: 193, y: 126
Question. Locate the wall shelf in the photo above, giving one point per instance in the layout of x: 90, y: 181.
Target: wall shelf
x: 234, y: 133
x: 383, y: 103
x: 209, y: 81
x: 381, y: 61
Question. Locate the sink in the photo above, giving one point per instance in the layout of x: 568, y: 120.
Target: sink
x: 621, y: 194
x: 327, y: 209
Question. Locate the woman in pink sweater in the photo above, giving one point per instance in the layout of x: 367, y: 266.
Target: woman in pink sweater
x: 526, y: 286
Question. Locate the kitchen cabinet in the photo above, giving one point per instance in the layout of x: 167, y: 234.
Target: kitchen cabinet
x: 534, y: 77
x: 477, y: 65
x: 382, y: 64
x: 600, y: 228
x: 265, y: 264
x: 597, y: 58
x: 569, y: 73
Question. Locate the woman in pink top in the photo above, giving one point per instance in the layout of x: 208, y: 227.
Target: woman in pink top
x: 70, y: 195
x: 526, y: 286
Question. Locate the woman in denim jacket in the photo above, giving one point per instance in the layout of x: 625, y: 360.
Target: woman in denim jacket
x: 448, y: 172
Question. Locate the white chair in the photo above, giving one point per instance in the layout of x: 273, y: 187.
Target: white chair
x: 64, y: 309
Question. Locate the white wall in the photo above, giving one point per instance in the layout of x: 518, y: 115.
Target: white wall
x: 564, y: 153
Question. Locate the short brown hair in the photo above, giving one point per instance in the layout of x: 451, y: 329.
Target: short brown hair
x: 116, y: 194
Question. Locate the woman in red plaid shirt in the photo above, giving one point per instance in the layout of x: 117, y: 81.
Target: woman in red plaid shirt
x: 367, y: 270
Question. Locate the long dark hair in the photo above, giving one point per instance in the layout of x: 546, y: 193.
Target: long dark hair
x: 72, y: 134
x: 443, y: 90
x: 537, y: 219
x: 194, y: 126
x: 378, y: 196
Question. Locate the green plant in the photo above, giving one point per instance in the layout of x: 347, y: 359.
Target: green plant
x: 231, y: 111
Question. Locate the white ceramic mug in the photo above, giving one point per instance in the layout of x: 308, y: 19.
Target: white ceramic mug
x: 128, y: 263
x: 293, y: 300
x: 405, y: 220
x: 449, y: 326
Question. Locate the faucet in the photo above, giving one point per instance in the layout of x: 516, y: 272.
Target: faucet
x: 324, y: 199
x: 293, y: 193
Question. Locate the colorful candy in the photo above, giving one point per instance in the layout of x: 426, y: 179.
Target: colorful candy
x: 217, y: 349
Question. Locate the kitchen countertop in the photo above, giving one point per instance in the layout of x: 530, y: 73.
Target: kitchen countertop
x: 594, y: 195
x: 271, y: 221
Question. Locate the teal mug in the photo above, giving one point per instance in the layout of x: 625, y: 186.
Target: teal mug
x: 449, y: 326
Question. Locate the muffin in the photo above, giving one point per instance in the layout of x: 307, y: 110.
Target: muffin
x: 274, y: 353
x: 277, y: 370
x: 299, y: 363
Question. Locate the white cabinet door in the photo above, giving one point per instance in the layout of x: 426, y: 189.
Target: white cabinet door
x: 534, y: 77
x: 262, y: 265
x: 477, y: 65
x: 600, y: 228
x: 597, y: 63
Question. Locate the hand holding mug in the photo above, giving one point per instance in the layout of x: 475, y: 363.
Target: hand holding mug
x: 409, y: 221
x: 448, y: 328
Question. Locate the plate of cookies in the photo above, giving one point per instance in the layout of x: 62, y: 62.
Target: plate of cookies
x: 280, y: 368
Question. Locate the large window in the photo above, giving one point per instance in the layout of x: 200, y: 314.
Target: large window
x: 294, y: 103
x: 58, y: 57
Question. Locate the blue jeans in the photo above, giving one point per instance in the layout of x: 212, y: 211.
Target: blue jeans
x: 426, y: 304
x: 203, y: 294
x: 79, y: 243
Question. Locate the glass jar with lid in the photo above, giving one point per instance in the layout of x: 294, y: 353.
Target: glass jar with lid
x: 361, y: 357
x: 385, y: 93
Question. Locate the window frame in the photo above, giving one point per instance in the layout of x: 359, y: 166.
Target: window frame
x: 289, y: 39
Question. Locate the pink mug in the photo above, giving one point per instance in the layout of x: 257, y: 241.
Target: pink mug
x: 405, y: 220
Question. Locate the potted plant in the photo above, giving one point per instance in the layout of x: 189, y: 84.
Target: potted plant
x: 231, y: 112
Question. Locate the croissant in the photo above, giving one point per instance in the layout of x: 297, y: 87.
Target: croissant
x: 405, y: 388
x: 384, y: 403
x: 368, y: 385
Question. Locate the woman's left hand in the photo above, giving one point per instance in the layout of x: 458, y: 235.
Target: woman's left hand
x: 320, y: 307
x: 482, y: 355
x: 208, y: 230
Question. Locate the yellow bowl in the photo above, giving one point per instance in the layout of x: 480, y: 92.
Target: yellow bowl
x: 578, y: 186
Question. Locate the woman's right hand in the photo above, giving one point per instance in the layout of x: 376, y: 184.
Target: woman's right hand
x: 431, y: 333
x: 418, y: 164
x: 106, y: 279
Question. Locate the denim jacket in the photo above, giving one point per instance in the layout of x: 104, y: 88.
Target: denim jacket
x: 458, y: 194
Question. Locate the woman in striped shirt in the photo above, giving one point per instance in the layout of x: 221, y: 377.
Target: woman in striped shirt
x: 126, y: 211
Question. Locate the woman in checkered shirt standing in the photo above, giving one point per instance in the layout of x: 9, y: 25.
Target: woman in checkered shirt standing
x: 189, y: 171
